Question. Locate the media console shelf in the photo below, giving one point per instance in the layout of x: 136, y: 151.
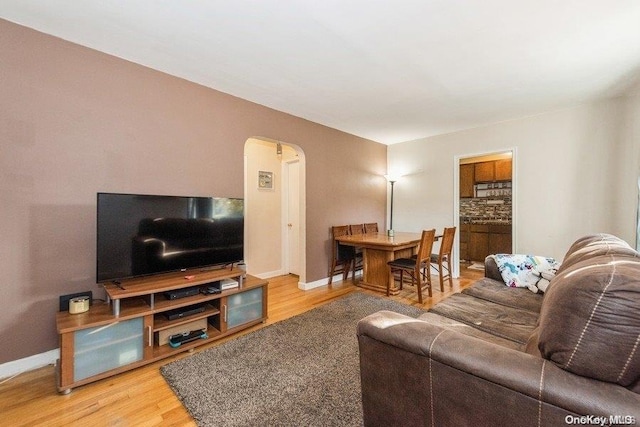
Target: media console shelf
x: 131, y: 328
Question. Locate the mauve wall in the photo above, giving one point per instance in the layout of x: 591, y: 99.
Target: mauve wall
x: 74, y: 121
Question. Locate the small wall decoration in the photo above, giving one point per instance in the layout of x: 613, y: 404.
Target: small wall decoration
x: 265, y: 180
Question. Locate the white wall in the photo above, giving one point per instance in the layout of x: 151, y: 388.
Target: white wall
x: 263, y: 208
x: 576, y: 173
x: 630, y: 157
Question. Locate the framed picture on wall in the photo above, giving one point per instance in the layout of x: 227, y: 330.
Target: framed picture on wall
x: 265, y: 180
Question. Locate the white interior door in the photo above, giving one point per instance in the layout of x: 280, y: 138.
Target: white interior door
x: 293, y: 217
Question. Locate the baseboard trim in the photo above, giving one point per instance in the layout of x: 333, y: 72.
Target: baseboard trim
x: 322, y: 282
x: 268, y: 274
x: 30, y: 363
x: 305, y: 286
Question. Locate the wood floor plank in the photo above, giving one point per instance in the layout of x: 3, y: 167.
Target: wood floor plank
x: 141, y: 397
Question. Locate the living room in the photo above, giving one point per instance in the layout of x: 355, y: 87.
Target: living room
x: 77, y: 121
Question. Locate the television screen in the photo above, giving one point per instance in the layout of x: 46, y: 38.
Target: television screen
x: 145, y: 234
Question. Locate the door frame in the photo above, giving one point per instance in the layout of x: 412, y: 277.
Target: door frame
x: 456, y: 200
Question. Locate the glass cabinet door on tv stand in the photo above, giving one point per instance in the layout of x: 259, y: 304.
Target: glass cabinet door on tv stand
x: 244, y: 307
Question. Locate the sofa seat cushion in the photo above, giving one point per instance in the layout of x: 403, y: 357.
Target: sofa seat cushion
x: 590, y: 319
x: 494, y: 291
x: 463, y: 328
x: 506, y: 322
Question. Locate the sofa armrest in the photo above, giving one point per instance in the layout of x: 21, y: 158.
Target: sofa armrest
x: 491, y: 269
x: 416, y: 373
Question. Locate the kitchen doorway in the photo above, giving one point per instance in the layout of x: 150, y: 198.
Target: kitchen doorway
x: 485, y: 208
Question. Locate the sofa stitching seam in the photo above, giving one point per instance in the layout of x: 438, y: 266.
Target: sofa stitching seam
x: 431, y: 376
x: 540, y: 388
x: 593, y: 311
x: 626, y: 365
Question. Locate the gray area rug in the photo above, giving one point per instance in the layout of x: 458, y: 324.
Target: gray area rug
x: 303, y: 371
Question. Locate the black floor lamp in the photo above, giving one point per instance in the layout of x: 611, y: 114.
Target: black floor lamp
x: 392, y: 180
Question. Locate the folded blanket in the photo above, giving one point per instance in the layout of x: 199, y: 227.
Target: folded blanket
x: 526, y: 271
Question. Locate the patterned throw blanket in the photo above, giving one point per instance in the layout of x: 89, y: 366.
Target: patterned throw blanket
x: 526, y: 271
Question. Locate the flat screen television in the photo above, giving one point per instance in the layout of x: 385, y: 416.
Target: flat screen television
x: 141, y: 235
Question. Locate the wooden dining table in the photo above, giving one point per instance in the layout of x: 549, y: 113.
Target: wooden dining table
x: 377, y: 250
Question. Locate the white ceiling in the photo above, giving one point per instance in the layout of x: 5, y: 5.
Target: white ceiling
x: 387, y: 70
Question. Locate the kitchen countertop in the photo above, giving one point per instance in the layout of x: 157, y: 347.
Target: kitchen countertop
x: 485, y: 221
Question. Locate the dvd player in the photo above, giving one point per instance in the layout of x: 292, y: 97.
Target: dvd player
x: 182, y: 293
x: 181, y: 312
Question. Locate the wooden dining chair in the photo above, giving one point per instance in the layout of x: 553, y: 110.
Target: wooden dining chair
x: 342, y: 256
x: 371, y: 227
x: 356, y: 229
x: 358, y: 259
x: 415, y: 267
x: 442, y: 260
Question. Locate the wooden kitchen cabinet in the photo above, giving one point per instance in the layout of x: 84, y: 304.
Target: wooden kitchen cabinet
x: 478, y: 242
x: 486, y: 239
x: 497, y: 170
x: 502, y: 170
x: 500, y: 239
x: 467, y: 180
x: 464, y: 242
x: 484, y: 171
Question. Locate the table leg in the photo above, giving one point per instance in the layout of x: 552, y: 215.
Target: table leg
x: 376, y: 273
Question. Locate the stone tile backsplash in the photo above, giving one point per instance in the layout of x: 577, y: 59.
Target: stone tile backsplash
x: 484, y: 210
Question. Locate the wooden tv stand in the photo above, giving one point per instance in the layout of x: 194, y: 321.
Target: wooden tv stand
x: 130, y: 329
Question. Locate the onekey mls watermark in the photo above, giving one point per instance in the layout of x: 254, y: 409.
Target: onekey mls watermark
x: 600, y: 420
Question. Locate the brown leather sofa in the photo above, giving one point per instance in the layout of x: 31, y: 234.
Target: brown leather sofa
x: 499, y: 356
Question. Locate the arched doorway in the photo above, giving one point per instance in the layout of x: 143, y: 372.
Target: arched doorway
x: 274, y: 208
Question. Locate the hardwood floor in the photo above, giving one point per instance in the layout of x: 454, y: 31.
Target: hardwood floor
x: 141, y: 397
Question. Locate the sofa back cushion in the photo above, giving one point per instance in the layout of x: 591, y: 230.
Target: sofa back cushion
x: 593, y: 245
x: 589, y: 321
